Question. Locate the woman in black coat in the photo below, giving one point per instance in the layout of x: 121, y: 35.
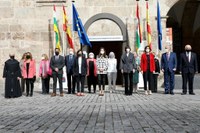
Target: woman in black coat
x: 80, y: 71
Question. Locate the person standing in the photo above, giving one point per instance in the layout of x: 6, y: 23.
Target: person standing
x: 128, y: 67
x: 69, y: 61
x: 21, y: 67
x: 80, y: 71
x: 44, y: 70
x: 12, y: 75
x: 147, y: 69
x: 112, y: 71
x: 102, y: 66
x: 57, y: 63
x: 156, y: 74
x: 188, y: 68
x: 29, y: 73
x: 168, y: 67
x: 91, y: 72
x: 136, y: 73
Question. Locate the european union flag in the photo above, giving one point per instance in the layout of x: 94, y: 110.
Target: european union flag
x: 159, y: 27
x: 78, y: 26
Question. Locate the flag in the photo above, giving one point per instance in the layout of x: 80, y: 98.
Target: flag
x: 148, y: 26
x: 78, y: 26
x: 67, y: 30
x: 138, y: 30
x: 159, y: 27
x: 56, y: 30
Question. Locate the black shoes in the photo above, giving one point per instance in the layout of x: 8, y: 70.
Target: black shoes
x: 183, y: 93
x: 192, y: 93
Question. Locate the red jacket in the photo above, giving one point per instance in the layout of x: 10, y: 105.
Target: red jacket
x: 31, y: 71
x: 143, y: 64
x: 95, y: 67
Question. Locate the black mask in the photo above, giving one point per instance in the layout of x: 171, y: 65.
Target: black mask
x: 188, y: 50
x: 79, y: 55
x: 57, y: 53
x: 28, y: 57
x: 12, y: 57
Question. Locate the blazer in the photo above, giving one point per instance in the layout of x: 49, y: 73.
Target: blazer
x: 144, y: 64
x: 186, y: 66
x: 42, y: 62
x: 31, y: 71
x: 169, y: 64
x: 69, y: 64
x: 127, y: 64
x: 157, y: 66
x: 83, y: 67
x: 60, y: 63
x: 95, y: 66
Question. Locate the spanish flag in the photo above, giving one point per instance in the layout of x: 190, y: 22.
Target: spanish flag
x: 56, y: 30
x: 67, y: 30
x: 148, y: 26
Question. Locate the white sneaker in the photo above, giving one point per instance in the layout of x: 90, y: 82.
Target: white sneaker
x: 110, y: 91
x: 150, y: 92
x: 145, y: 93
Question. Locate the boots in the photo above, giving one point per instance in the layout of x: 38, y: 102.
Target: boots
x: 27, y: 91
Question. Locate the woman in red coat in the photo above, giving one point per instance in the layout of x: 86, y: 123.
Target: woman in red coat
x: 147, y: 68
x: 29, y: 73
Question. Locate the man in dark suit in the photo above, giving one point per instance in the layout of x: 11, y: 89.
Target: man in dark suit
x: 69, y: 61
x: 188, y: 68
x: 57, y: 63
x: 168, y: 66
x: 128, y: 66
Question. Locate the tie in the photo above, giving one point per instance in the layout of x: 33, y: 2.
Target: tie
x: 188, y: 57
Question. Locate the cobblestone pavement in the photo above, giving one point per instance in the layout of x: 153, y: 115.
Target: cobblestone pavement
x: 112, y: 113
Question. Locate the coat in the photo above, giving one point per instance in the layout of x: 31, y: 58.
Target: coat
x: 60, y: 63
x: 127, y: 64
x: 11, y: 72
x: 83, y: 67
x: 31, y: 72
x: 69, y: 63
x: 169, y: 64
x: 144, y: 64
x: 186, y: 66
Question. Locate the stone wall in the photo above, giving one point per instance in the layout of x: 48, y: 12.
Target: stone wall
x: 26, y: 25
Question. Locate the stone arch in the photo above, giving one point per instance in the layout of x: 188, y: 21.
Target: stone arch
x: 111, y: 17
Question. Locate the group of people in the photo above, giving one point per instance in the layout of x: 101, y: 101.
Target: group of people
x: 97, y: 70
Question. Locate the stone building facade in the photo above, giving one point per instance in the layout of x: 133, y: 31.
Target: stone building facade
x: 27, y: 25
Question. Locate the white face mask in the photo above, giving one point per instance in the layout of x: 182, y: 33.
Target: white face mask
x: 166, y: 50
x: 101, y: 52
x: 91, y: 56
x: 43, y: 58
x: 147, y: 50
x: 71, y: 52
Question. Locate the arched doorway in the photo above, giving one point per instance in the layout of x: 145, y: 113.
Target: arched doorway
x: 184, y: 19
x: 112, y: 43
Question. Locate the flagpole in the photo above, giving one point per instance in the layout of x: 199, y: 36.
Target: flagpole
x: 73, y: 32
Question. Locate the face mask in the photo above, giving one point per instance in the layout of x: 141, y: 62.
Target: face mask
x: 102, y: 52
x: 147, y: 50
x: 71, y: 53
x: 28, y: 57
x: 188, y: 50
x: 91, y: 56
x: 166, y: 50
x: 43, y: 58
x: 79, y: 55
x: 12, y: 57
x: 57, y: 53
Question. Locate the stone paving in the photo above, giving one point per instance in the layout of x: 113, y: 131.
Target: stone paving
x: 112, y: 113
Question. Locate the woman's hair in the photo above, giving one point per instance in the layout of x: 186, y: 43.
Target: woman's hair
x: 31, y: 57
x: 146, y: 48
x: 104, y: 55
x: 79, y: 51
x: 111, y: 55
x: 24, y: 56
x: 45, y: 56
x: 127, y: 47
